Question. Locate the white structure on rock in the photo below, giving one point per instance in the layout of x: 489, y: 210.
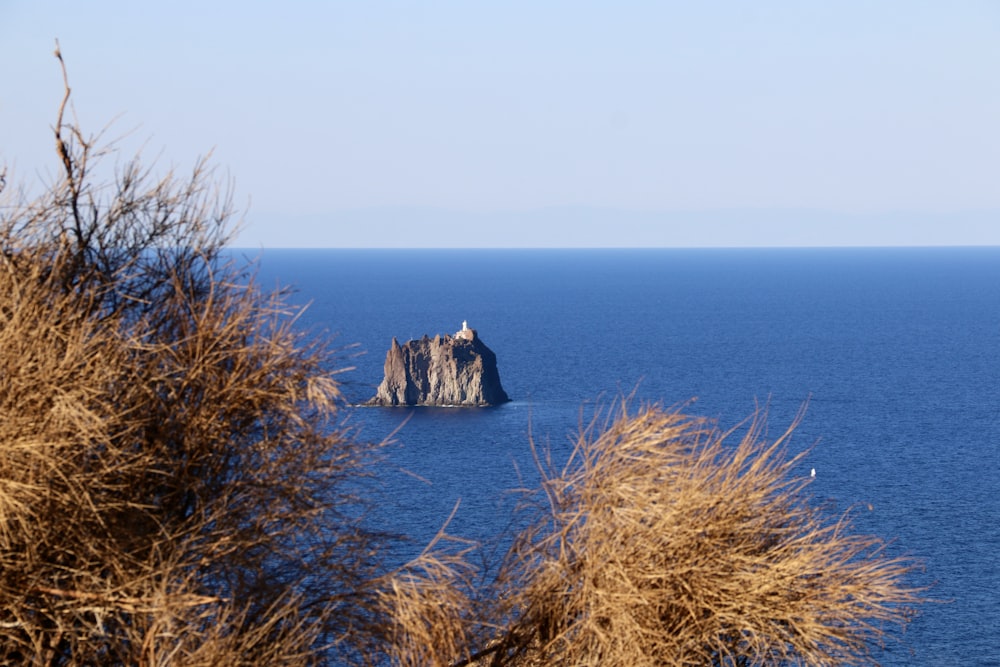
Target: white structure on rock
x: 466, y: 333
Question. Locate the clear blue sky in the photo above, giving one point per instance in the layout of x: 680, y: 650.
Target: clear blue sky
x: 562, y: 123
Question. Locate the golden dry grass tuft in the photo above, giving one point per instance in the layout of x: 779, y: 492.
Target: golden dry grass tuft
x: 662, y: 542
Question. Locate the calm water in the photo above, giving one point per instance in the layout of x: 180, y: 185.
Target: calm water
x: 897, y: 352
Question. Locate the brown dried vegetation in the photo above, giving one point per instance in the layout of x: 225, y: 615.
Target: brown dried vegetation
x: 662, y: 543
x: 171, y: 480
x: 174, y: 489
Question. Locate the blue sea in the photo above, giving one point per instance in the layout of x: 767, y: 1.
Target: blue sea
x: 895, y: 354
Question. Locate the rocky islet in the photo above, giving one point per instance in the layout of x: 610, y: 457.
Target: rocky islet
x: 447, y: 370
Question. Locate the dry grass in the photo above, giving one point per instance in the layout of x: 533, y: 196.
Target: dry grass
x: 661, y: 542
x: 428, y: 606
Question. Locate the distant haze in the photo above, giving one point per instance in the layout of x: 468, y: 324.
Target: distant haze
x: 518, y: 124
x: 609, y: 228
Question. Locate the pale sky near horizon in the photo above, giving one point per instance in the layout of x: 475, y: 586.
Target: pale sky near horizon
x: 497, y: 124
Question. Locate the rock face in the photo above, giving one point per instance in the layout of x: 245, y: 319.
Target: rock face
x: 448, y: 370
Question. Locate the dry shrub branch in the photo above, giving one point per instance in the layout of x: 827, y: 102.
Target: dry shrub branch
x: 173, y: 485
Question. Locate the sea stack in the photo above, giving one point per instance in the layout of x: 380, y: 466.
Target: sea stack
x: 456, y: 370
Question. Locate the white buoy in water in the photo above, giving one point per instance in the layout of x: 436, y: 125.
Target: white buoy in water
x: 812, y: 473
